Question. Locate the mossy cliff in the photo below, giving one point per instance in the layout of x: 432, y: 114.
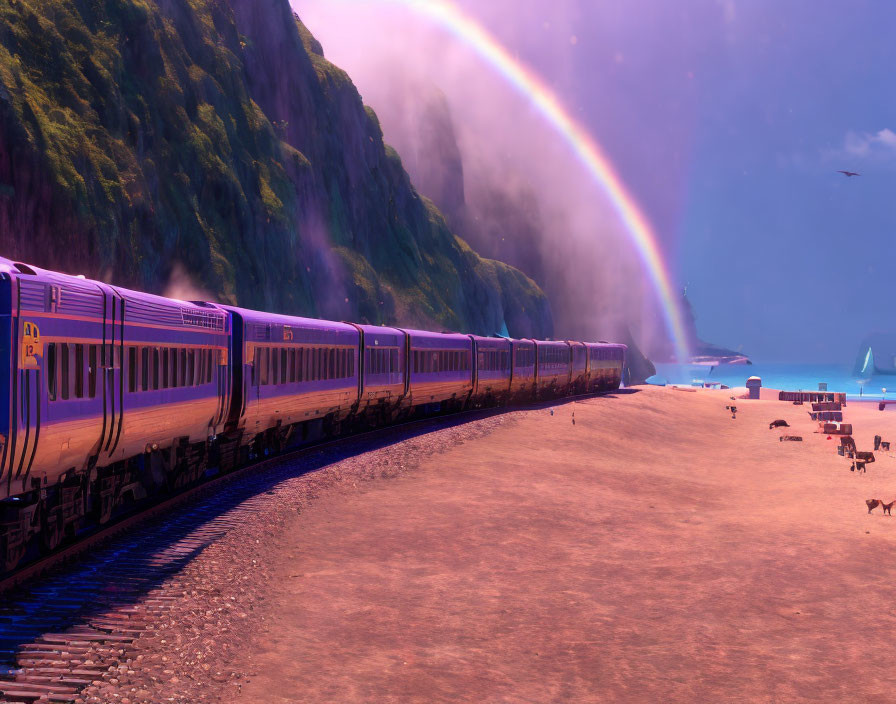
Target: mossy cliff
x: 143, y: 137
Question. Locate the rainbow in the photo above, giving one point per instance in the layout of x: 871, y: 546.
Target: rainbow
x: 453, y: 20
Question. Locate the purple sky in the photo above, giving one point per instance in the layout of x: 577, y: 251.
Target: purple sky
x: 728, y: 120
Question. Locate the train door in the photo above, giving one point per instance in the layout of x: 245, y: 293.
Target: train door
x: 239, y: 386
x: 27, y: 399
x: 111, y: 354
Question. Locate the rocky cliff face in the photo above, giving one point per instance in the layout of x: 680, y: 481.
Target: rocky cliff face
x: 145, y: 136
x: 493, y: 210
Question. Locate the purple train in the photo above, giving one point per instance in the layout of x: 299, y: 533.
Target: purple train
x: 115, y: 396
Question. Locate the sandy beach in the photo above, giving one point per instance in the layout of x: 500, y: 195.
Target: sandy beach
x: 655, y: 550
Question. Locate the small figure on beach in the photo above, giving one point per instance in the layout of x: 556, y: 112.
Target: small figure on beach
x: 858, y: 466
x: 877, y: 440
x: 888, y: 506
x: 779, y: 423
x: 872, y: 504
x: 573, y: 417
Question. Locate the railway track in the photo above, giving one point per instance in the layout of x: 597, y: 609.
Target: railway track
x: 70, y: 619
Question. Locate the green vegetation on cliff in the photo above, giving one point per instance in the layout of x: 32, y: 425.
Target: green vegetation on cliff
x: 139, y: 135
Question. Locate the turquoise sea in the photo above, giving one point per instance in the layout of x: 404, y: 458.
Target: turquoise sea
x: 786, y: 376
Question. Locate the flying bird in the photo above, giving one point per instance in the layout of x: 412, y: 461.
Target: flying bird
x: 849, y: 173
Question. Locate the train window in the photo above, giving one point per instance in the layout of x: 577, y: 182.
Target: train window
x: 166, y: 368
x: 92, y: 360
x: 182, y: 367
x: 393, y: 361
x: 144, y: 368
x: 191, y: 367
x: 332, y: 364
x: 79, y: 371
x: 132, y: 369
x: 283, y: 367
x: 51, y: 371
x: 275, y: 366
x: 155, y: 369
x: 64, y: 363
x: 173, y: 376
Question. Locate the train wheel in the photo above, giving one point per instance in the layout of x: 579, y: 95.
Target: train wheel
x: 51, y: 531
x: 13, y: 549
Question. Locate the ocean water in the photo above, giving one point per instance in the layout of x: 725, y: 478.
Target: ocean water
x: 786, y: 376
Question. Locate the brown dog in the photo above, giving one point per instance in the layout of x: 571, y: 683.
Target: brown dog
x: 888, y: 506
x: 872, y: 504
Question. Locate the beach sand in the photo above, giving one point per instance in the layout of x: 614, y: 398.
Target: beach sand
x: 655, y: 550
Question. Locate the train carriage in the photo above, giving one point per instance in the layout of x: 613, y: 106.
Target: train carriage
x: 291, y: 370
x: 493, y: 370
x: 579, y: 373
x: 440, y: 368
x: 606, y: 362
x: 522, y: 382
x: 75, y: 428
x: 384, y: 382
x: 554, y: 362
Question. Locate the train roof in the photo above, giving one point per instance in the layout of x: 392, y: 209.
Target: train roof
x: 377, y: 334
x: 492, y: 341
x: 141, y: 307
x: 297, y: 323
x: 434, y: 340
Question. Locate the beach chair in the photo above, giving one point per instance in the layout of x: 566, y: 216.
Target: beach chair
x: 885, y: 445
